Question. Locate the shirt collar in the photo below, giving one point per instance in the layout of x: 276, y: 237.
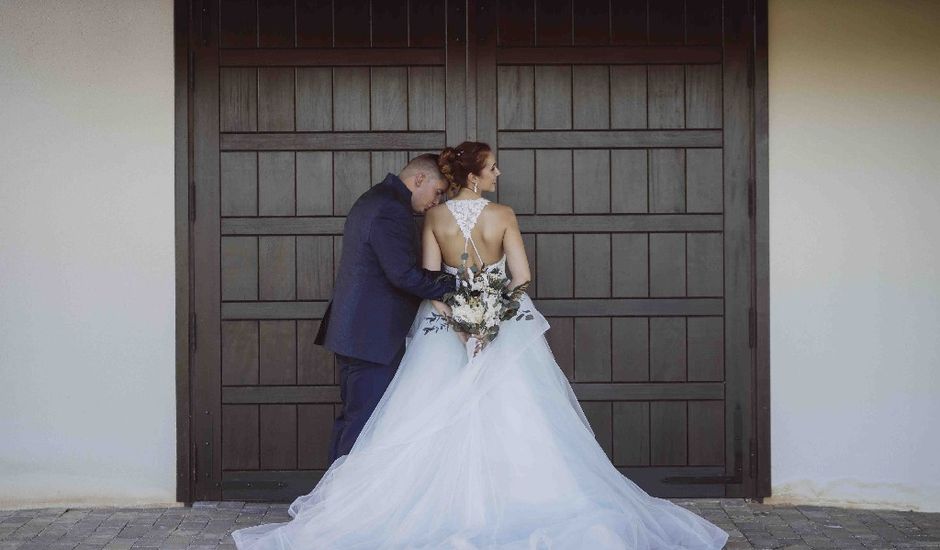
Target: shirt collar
x: 402, y: 193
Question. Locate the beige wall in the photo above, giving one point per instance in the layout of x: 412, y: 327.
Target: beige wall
x: 87, y: 410
x: 86, y: 252
x: 854, y: 253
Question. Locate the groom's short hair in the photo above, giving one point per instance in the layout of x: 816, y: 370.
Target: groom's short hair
x: 426, y: 163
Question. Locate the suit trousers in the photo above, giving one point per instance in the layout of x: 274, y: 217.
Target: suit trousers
x: 361, y: 385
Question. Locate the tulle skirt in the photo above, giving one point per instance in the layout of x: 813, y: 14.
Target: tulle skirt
x: 491, y: 453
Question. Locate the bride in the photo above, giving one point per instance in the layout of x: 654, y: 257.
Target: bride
x: 491, y: 452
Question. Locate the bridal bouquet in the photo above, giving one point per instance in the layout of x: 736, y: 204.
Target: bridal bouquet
x: 481, y: 301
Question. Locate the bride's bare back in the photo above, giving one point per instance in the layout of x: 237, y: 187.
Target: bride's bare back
x: 496, y: 232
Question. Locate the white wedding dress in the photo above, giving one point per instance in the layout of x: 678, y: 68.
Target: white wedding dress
x: 494, y: 453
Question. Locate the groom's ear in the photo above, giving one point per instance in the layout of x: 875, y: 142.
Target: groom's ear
x: 419, y: 178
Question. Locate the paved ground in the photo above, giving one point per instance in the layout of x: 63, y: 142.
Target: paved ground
x: 209, y: 524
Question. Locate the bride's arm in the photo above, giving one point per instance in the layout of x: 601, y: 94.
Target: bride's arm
x: 516, y: 260
x: 431, y: 256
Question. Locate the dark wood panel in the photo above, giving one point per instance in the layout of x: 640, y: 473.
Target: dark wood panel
x: 592, y: 349
x: 331, y: 57
x: 592, y: 55
x: 240, y: 437
x: 240, y: 352
x: 575, y: 223
x: 681, y: 391
x: 599, y: 139
x: 592, y: 307
x: 278, y: 353
x: 278, y: 427
x: 333, y: 141
x: 281, y: 394
x: 276, y: 23
x: 273, y: 310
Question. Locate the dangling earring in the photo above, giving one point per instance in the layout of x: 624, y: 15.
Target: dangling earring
x: 475, y: 189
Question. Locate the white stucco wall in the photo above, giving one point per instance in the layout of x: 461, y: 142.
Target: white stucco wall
x: 87, y: 411
x: 86, y: 252
x: 854, y: 253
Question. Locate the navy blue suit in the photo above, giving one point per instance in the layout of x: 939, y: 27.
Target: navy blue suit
x: 378, y: 289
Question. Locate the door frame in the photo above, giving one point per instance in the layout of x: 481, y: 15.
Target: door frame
x: 184, y: 32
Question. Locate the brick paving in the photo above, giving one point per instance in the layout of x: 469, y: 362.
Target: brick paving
x: 208, y: 525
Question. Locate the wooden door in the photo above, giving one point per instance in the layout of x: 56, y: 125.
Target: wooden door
x: 623, y: 136
x: 299, y: 108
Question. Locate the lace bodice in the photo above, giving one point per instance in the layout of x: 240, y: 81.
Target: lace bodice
x: 466, y: 212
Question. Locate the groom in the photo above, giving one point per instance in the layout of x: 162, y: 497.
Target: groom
x: 378, y: 288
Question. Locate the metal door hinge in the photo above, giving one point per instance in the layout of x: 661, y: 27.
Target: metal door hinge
x: 752, y: 463
x: 204, y: 23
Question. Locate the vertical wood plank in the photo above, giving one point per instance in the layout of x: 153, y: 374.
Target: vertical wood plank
x: 351, y: 23
x: 239, y: 258
x: 703, y: 96
x: 703, y: 180
x: 552, y: 97
x: 628, y: 96
x: 591, y: 86
x: 278, y: 352
x: 351, y: 98
x: 553, y: 22
x: 427, y: 23
x: 629, y: 180
x: 516, y: 24
x: 529, y: 241
x: 389, y: 98
x: 314, y: 183
x: 238, y: 99
x: 276, y: 23
x: 591, y: 22
x: 239, y: 184
x: 516, y: 94
x: 667, y: 264
x: 387, y: 162
x: 315, y: 424
x: 277, y: 268
x: 275, y: 99
x: 314, y: 23
x: 628, y: 23
x: 555, y: 266
x: 553, y: 172
x: 631, y: 349
x: 276, y: 183
x: 278, y: 436
x: 667, y: 180
x: 351, y: 178
x: 390, y: 23
x: 631, y: 429
x: 314, y: 362
x: 592, y: 349
x: 706, y: 433
x: 667, y: 349
x: 705, y: 258
x: 630, y: 259
x: 592, y: 265
x: 238, y: 24
x: 706, y: 345
x: 666, y: 22
x: 703, y: 22
x: 666, y: 96
x: 592, y: 181
x: 426, y: 98
x: 314, y: 99
x: 314, y: 267
x: 668, y: 432
x: 240, y: 439
x: 239, y: 352
x: 517, y: 182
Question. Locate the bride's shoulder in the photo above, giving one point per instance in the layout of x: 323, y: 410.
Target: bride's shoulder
x: 502, y: 213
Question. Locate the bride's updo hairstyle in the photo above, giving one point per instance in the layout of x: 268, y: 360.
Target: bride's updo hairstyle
x: 456, y: 163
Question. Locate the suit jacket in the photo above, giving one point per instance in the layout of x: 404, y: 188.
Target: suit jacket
x: 379, y: 285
